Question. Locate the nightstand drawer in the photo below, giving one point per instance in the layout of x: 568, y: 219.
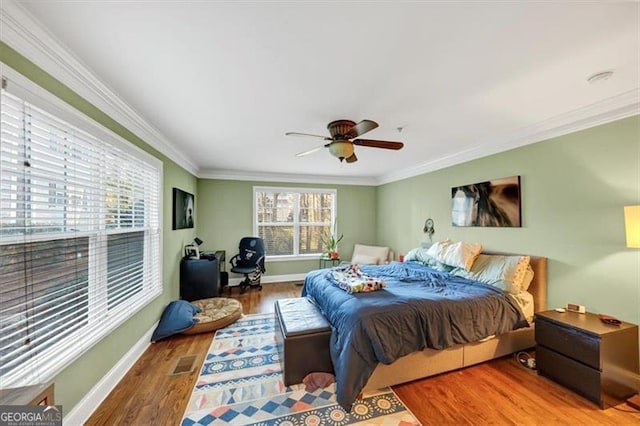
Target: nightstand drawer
x: 569, y: 341
x: 572, y: 374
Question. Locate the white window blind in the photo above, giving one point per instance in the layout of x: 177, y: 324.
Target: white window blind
x: 293, y: 221
x: 79, y: 238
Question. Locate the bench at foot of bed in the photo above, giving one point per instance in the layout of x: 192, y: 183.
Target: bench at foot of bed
x: 305, y: 334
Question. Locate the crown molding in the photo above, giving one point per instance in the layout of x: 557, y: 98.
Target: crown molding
x: 287, y: 178
x: 25, y: 34
x: 608, y: 110
x: 20, y: 30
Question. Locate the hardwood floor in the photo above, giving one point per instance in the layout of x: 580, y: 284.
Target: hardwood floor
x: 496, y: 392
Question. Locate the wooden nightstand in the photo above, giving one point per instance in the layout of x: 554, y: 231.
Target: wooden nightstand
x: 28, y: 395
x: 597, y: 361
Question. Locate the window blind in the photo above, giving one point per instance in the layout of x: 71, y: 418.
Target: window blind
x: 79, y: 238
x: 292, y: 221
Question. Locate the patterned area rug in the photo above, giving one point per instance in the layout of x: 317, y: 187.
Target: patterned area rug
x: 241, y: 384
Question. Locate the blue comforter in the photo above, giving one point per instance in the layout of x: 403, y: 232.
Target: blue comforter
x: 420, y: 308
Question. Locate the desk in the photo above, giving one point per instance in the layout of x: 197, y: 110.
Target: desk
x: 221, y: 255
x: 324, y: 260
x: 199, y: 278
x: 205, y: 277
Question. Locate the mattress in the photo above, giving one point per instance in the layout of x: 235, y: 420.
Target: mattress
x: 418, y: 308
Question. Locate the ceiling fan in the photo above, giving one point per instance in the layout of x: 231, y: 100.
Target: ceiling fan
x: 342, y: 139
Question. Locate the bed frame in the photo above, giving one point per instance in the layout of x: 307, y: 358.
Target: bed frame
x: 429, y: 362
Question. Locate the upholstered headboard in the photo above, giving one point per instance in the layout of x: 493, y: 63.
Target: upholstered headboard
x: 538, y: 287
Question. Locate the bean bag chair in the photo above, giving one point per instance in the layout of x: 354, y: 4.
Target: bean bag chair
x: 214, y: 313
x: 177, y: 317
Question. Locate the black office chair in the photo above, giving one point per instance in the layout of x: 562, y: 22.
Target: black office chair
x: 250, y: 262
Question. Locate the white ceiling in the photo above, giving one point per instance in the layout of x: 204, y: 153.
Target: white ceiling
x: 223, y: 81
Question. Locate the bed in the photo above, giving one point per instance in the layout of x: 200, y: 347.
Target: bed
x: 373, y: 346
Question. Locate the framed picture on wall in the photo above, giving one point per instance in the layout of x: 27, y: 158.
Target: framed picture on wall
x: 183, y: 210
x: 491, y: 203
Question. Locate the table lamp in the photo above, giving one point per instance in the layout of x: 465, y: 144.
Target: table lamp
x: 632, y: 225
x: 632, y: 230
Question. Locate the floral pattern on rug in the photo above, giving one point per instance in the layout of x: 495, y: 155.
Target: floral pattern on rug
x: 241, y: 383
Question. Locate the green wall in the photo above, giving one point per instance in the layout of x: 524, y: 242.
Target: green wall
x: 73, y: 383
x: 573, y: 190
x: 225, y: 214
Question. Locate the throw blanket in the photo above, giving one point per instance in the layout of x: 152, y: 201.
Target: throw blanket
x: 419, y: 308
x: 352, y: 280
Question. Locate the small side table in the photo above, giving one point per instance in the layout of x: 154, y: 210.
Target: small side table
x: 324, y: 260
x: 596, y: 360
x: 28, y: 395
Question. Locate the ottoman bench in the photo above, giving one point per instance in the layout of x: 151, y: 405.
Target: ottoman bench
x: 305, y: 334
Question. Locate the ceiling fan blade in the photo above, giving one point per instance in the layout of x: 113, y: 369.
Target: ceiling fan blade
x: 352, y: 158
x: 307, y: 134
x: 361, y: 128
x: 378, y: 144
x: 311, y: 151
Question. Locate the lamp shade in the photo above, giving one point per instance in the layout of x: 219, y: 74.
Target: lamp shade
x: 632, y: 225
x: 341, y: 149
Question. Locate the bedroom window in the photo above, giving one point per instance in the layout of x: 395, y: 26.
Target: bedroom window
x: 79, y: 234
x: 293, y: 221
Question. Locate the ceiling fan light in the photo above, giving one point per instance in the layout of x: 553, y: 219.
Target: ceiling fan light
x: 341, y: 149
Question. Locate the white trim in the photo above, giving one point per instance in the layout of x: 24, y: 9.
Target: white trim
x: 31, y: 39
x: 56, y: 358
x: 288, y: 178
x: 296, y: 224
x: 289, y: 258
x: 295, y: 189
x: 92, y: 400
x: 606, y: 111
x: 81, y: 412
x: 21, y: 86
x: 268, y: 279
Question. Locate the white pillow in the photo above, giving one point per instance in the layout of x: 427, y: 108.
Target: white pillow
x: 458, y: 254
x: 507, y: 273
x: 438, y: 249
x: 528, y: 277
x: 363, y: 259
x: 524, y: 299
